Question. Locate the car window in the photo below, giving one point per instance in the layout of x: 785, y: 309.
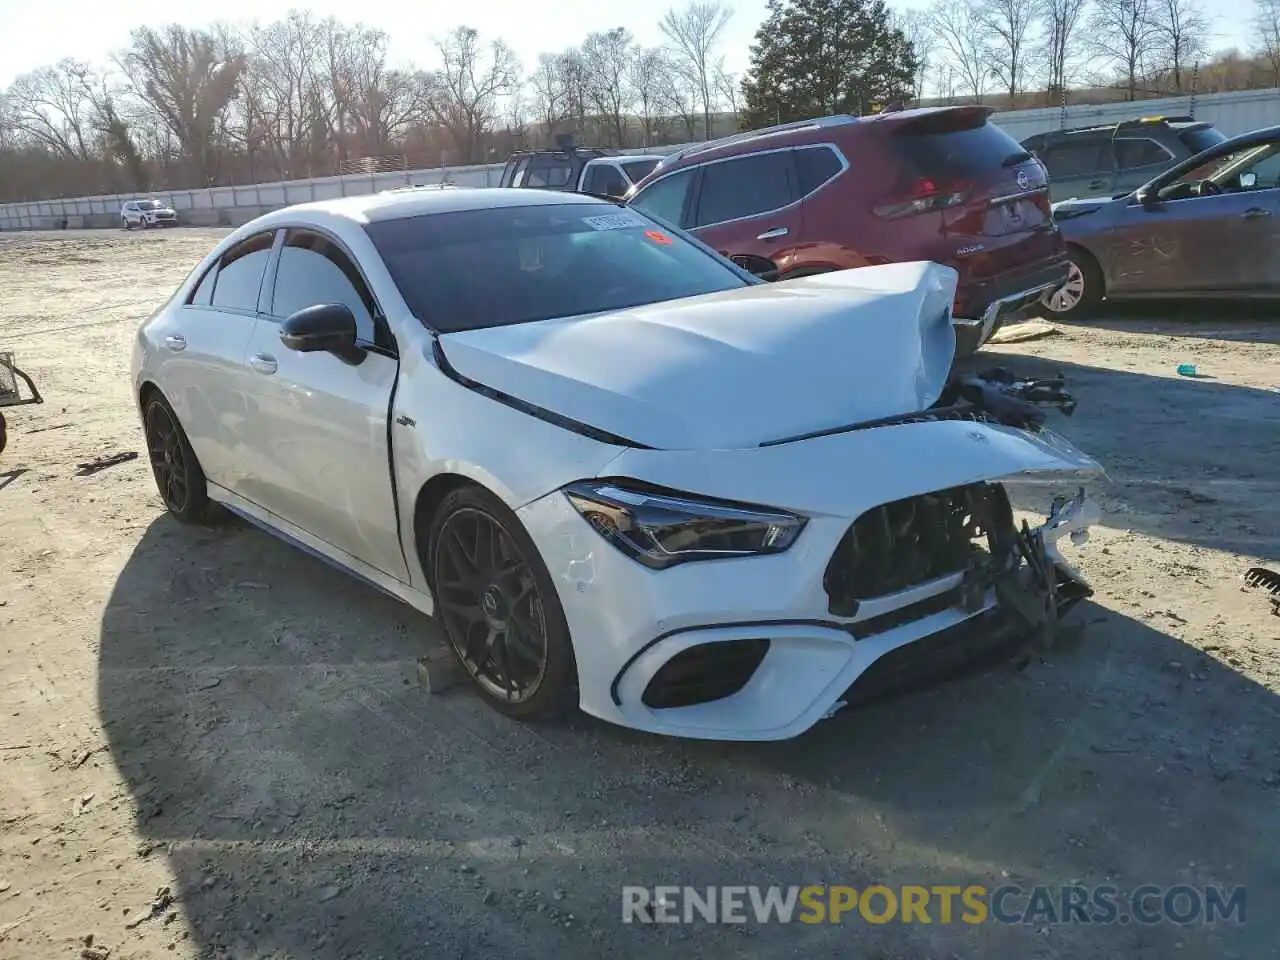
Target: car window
x: 1201, y: 138
x: 202, y: 295
x: 314, y: 270
x: 637, y: 170
x: 1266, y: 168
x: 493, y: 267
x: 517, y: 175
x: 239, y: 278
x: 1076, y: 158
x: 1140, y: 153
x: 744, y: 186
x: 549, y: 173
x: 665, y: 198
x: 605, y: 179
x: 814, y: 167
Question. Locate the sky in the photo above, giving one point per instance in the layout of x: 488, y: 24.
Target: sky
x: 33, y: 34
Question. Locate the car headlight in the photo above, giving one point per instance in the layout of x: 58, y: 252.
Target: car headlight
x: 662, y: 528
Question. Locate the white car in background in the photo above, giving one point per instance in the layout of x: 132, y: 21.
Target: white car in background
x: 621, y: 472
x: 147, y: 213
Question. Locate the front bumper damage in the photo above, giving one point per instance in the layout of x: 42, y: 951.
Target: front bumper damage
x: 911, y: 563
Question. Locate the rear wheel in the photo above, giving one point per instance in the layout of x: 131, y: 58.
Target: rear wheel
x: 1081, y: 294
x: 179, y: 477
x: 499, y: 608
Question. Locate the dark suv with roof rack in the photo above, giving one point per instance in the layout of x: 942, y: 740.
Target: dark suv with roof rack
x: 941, y: 184
x: 1110, y: 158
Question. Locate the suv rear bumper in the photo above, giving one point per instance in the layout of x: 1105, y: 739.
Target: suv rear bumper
x: 989, y: 303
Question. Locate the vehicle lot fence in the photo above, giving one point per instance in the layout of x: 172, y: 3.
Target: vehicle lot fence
x: 1234, y: 113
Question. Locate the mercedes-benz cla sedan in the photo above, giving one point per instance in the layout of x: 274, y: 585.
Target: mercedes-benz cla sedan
x: 621, y: 472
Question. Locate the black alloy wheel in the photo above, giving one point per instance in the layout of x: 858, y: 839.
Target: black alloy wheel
x: 179, y: 477
x: 498, y: 607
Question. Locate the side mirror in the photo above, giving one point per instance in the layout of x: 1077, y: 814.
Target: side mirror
x: 323, y: 328
x: 1148, y: 198
x: 762, y: 267
x: 1248, y: 180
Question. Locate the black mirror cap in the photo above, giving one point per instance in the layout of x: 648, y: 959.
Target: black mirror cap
x: 323, y: 328
x: 762, y: 267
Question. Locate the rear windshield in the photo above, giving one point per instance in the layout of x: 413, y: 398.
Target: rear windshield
x: 1201, y: 138
x: 960, y: 153
x: 491, y: 268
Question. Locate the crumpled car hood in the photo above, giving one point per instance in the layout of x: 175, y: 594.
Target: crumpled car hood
x: 734, y: 369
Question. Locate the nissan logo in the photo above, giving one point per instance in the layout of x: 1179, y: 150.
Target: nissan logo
x: 1023, y: 180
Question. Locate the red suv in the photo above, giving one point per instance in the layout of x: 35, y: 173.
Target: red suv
x: 937, y: 184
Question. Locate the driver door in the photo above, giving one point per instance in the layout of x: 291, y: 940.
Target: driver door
x: 1216, y: 244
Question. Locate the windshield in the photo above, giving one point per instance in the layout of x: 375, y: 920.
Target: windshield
x: 148, y: 205
x: 637, y: 170
x: 491, y: 268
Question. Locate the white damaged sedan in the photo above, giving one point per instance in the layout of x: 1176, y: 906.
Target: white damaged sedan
x: 623, y: 473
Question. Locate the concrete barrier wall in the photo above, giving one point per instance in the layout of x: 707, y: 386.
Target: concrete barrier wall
x: 1233, y: 113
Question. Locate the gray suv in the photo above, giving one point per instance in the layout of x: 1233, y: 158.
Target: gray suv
x: 1103, y: 160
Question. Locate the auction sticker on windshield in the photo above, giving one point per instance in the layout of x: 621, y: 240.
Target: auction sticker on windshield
x: 615, y: 221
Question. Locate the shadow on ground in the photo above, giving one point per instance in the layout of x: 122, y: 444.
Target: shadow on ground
x: 313, y: 802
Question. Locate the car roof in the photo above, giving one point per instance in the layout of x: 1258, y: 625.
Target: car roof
x: 414, y: 203
x: 1149, y: 124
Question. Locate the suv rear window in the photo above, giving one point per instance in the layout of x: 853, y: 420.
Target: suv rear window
x: 1201, y: 138
x: 958, y: 153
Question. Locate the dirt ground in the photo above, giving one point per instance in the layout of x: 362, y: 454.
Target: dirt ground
x: 213, y: 745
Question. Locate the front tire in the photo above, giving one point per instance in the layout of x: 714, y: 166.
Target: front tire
x: 1080, y: 295
x: 179, y: 476
x: 499, y: 608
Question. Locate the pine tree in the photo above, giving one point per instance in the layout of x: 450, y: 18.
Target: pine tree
x: 812, y: 58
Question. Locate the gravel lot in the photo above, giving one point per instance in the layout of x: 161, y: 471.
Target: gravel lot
x: 218, y: 725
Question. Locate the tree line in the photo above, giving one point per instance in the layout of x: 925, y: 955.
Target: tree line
x: 183, y: 107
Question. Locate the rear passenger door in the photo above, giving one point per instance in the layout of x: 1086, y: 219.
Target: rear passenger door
x: 745, y: 208
x: 204, y: 374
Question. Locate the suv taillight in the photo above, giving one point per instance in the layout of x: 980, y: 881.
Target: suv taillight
x: 924, y: 195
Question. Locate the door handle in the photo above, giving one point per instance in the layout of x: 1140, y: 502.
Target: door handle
x: 263, y: 363
x: 176, y: 343
x: 773, y: 234
x: 1255, y: 213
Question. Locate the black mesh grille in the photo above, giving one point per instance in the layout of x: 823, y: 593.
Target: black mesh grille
x: 907, y: 542
x: 709, y: 671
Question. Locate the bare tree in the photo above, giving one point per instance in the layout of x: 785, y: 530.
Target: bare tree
x: 55, y: 108
x: 285, y: 88
x: 1009, y: 23
x: 728, y: 88
x: 1122, y: 32
x: 1266, y: 24
x: 467, y: 91
x: 1181, y: 31
x: 1060, y: 19
x: 605, y: 57
x: 647, y: 75
x: 962, y: 37
x: 693, y: 35
x: 188, y: 78
x: 914, y: 25
x: 550, y: 92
